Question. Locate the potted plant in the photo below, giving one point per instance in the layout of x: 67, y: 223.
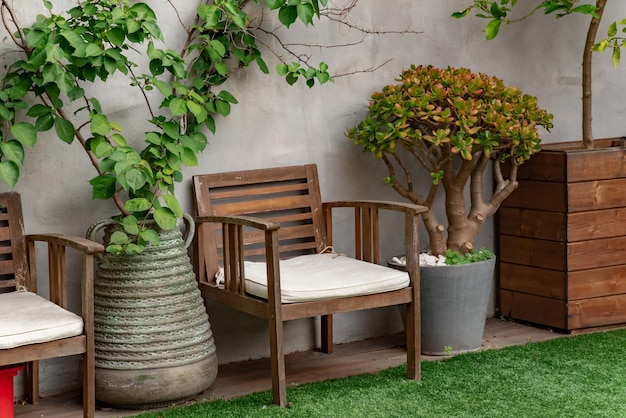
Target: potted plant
x: 144, y: 339
x: 454, y: 124
x: 563, y: 231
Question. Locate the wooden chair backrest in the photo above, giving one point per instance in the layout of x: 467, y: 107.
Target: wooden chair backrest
x: 287, y: 195
x: 14, y: 269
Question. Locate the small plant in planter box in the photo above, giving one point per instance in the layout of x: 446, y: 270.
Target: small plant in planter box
x: 453, y: 123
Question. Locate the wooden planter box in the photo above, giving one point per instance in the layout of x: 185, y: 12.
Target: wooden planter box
x: 562, y: 238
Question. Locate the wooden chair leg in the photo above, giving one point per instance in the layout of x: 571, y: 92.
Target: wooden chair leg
x: 413, y: 341
x: 327, y: 333
x: 277, y: 361
x: 89, y: 385
x: 32, y: 381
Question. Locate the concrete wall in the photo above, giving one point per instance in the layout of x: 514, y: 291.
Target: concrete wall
x: 275, y: 124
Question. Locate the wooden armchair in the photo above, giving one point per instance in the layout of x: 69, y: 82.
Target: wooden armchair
x: 276, y: 217
x: 32, y: 327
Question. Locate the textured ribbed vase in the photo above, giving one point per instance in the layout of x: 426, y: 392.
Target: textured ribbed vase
x: 154, y: 344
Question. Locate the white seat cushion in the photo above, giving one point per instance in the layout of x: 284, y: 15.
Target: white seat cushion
x: 325, y: 276
x: 27, y: 318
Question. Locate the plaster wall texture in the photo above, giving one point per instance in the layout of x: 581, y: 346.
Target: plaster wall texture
x: 275, y: 124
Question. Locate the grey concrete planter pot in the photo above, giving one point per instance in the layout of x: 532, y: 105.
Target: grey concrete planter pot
x: 454, y: 301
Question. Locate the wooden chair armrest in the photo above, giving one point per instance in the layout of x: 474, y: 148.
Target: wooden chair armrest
x: 57, y: 272
x: 81, y: 244
x: 248, y: 221
x: 409, y: 208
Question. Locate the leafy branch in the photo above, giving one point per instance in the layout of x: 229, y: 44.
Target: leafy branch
x: 497, y: 13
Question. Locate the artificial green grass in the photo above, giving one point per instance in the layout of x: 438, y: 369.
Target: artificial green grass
x: 581, y: 376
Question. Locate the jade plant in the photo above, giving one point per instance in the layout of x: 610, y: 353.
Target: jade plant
x: 497, y: 12
x: 62, y: 54
x: 453, y: 123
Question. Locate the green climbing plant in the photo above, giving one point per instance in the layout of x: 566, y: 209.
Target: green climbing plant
x: 47, y: 88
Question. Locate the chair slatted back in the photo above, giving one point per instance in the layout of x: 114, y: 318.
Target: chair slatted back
x: 14, y: 269
x: 287, y: 195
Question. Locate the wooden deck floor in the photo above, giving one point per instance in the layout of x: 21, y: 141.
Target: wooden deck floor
x: 240, y: 379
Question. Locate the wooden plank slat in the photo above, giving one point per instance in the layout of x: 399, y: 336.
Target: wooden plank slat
x: 223, y: 193
x: 262, y: 205
x: 537, y: 281
x: 539, y: 195
x: 596, y: 312
x: 533, y: 252
x: 533, y: 223
x: 596, y: 225
x: 5, y: 233
x: 6, y: 267
x: 59, y: 348
x: 596, y: 195
x: 584, y: 255
x: 534, y: 309
x: 606, y: 162
x: 599, y: 282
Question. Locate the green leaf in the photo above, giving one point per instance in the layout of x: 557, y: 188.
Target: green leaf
x: 211, y: 14
x: 153, y: 29
x: 135, y: 179
x: 172, y: 203
x: 282, y: 69
x: 274, y: 4
x: 13, y: 151
x: 130, y: 225
x: 44, y: 122
x: 116, y: 36
x: 305, y: 12
x: 73, y: 38
x: 35, y: 37
x: 103, y: 187
x: 588, y: 9
x: 93, y: 50
x: 164, y: 88
x: 262, y: 65
x: 461, y: 13
x: 616, y: 56
x: 150, y: 236
x: 119, y: 238
x: 221, y: 68
x: 218, y: 47
x: 138, y: 204
x: 195, y: 108
x: 100, y: 124
x: 25, y: 133
x: 64, y: 129
x: 165, y: 218
x: 114, y: 249
x: 9, y: 173
x: 223, y: 107
x: 227, y: 96
x: 189, y: 158
x: 492, y: 29
x: 177, y: 106
x: 287, y: 15
x: 133, y: 249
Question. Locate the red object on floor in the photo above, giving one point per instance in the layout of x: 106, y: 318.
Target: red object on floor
x: 6, y: 390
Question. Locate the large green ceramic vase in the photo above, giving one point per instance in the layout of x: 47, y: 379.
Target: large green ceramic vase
x: 154, y: 344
